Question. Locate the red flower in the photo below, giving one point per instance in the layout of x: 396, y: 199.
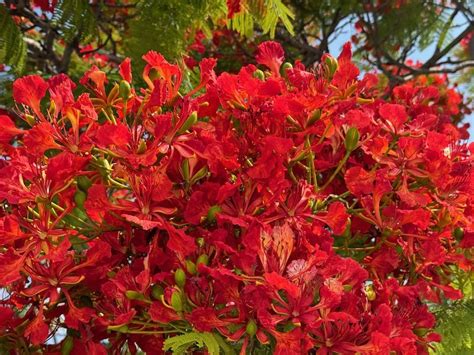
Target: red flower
x: 29, y: 91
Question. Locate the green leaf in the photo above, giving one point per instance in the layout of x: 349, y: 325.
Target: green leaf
x: 181, y: 343
x: 12, y: 45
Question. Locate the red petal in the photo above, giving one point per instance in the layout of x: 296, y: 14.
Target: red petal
x: 29, y: 91
x: 271, y: 55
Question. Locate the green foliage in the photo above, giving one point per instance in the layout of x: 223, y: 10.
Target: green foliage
x: 164, y: 26
x: 181, y: 343
x: 456, y: 327
x: 12, y: 45
x: 455, y: 320
x: 266, y: 13
x: 76, y: 19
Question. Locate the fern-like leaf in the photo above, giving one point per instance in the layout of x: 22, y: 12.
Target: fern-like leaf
x: 275, y: 11
x: 455, y: 324
x: 12, y: 45
x: 76, y: 19
x: 181, y: 343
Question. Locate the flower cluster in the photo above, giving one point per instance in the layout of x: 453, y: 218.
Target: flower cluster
x: 278, y: 208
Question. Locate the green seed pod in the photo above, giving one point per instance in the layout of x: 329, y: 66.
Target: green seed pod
x: 191, y: 267
x: 458, y: 233
x: 202, y: 259
x: 352, y: 139
x: 177, y: 301
x: 251, y: 328
x: 67, y: 345
x: 157, y: 291
x: 134, y: 295
x: 124, y: 90
x: 180, y: 277
x: 190, y: 121
x: 83, y: 183
x: 259, y: 74
x: 79, y: 198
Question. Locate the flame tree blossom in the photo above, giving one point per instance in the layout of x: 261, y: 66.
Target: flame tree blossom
x: 279, y: 208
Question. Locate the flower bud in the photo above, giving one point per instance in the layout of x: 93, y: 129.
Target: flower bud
x: 157, y: 291
x: 180, y: 277
x: 284, y: 68
x: 134, y: 295
x: 352, y: 139
x: 370, y: 292
x: 259, y: 74
x: 332, y: 65
x: 177, y: 301
x: 124, y: 90
x: 191, y: 120
x: 458, y: 233
x: 191, y: 267
x: 30, y: 119
x: 315, y: 116
x: 202, y: 259
x: 211, y: 214
x: 251, y: 328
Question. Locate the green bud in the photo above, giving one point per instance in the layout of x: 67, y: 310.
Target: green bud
x: 332, y: 65
x: 177, y: 301
x: 200, y: 242
x: 191, y: 267
x: 285, y: 67
x: 316, y: 115
x: 124, y: 90
x: 458, y: 233
x: 259, y: 74
x: 67, y: 345
x: 157, y: 291
x: 352, y: 139
x: 30, y: 119
x: 83, y: 183
x: 79, y: 198
x: 191, y: 120
x: 134, y: 295
x: 347, y: 288
x: 211, y: 214
x: 202, y: 259
x: 180, y: 277
x: 251, y: 328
